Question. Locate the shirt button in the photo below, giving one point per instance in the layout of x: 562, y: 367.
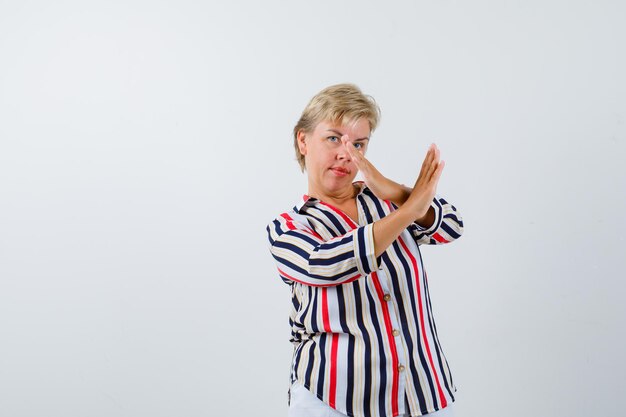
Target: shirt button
x: 386, y: 297
x: 396, y: 332
x: 401, y: 368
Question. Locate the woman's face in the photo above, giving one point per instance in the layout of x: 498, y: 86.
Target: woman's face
x: 328, y: 163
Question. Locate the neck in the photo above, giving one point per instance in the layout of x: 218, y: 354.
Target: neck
x: 336, y: 198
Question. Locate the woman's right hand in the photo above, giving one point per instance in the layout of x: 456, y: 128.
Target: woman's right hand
x: 426, y: 185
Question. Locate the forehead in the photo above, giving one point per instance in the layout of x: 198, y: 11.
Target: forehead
x: 356, y: 129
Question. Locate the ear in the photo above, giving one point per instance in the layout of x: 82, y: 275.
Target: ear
x: 302, y: 142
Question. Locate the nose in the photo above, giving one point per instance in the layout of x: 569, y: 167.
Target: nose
x: 342, y: 153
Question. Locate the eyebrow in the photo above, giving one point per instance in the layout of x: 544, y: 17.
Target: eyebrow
x: 341, y: 134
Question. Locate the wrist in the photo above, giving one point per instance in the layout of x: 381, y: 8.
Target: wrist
x: 427, y: 219
x: 407, y: 214
x: 401, y: 194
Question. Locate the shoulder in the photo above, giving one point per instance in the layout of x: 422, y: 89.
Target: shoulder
x: 292, y: 214
x: 286, y: 221
x: 292, y: 224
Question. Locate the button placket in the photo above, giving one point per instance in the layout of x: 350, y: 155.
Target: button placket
x: 400, y: 345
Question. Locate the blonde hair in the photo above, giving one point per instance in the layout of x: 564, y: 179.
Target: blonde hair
x: 338, y: 103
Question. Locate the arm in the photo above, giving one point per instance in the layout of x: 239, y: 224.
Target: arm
x: 398, y: 194
x: 423, y: 191
x: 445, y: 226
x: 303, y: 256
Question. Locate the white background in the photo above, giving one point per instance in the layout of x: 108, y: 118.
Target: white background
x: 144, y: 146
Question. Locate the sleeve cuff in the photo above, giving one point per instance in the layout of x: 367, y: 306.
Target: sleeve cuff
x: 364, y: 250
x: 436, y: 205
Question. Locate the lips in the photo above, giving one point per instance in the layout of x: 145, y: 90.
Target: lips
x: 340, y: 171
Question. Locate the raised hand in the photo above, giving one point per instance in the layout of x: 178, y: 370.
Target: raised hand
x: 380, y: 185
x: 426, y: 185
x: 416, y: 207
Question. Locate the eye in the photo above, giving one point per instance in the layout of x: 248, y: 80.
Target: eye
x: 333, y: 139
x: 358, y: 145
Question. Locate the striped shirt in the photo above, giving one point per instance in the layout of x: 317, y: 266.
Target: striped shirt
x: 365, y: 340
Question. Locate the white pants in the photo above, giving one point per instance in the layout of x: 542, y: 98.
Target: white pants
x: 304, y: 404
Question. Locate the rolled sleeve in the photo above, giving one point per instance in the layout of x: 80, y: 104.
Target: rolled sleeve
x: 447, y: 227
x: 364, y: 250
x: 303, y: 256
x: 436, y: 205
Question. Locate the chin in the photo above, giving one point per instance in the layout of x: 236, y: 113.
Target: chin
x: 339, y: 183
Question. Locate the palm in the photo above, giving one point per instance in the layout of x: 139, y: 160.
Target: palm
x: 374, y: 180
x: 426, y: 184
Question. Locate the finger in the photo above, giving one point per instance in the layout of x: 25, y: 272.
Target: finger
x: 430, y: 155
x: 345, y: 140
x: 355, y: 155
x: 437, y: 173
x: 350, y: 148
x: 355, y: 160
x: 426, y: 163
x: 359, y: 157
x: 433, y: 161
x: 434, y: 153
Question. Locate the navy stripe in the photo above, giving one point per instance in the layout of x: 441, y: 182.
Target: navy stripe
x: 395, y: 277
x: 379, y: 208
x: 413, y: 302
x: 449, y: 231
x: 322, y: 370
x: 309, y: 366
x: 296, y: 268
x: 350, y: 381
x: 361, y: 242
x: 332, y: 261
x: 315, y: 327
x: 302, y: 236
x: 297, y: 357
x: 451, y: 216
x: 334, y: 220
x: 382, y: 359
x: 321, y: 223
x: 367, y: 344
x: 366, y: 210
x: 293, y: 248
x: 420, y: 349
x: 331, y: 245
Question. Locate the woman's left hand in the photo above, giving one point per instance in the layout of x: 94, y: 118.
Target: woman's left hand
x: 381, y: 186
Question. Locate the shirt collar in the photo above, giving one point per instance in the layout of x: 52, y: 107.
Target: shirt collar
x: 307, y: 200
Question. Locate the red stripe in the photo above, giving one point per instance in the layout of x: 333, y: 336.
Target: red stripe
x: 389, y: 205
x: 442, y: 398
x: 332, y: 383
x: 290, y: 225
x: 440, y: 238
x: 332, y: 386
x: 325, y: 318
x: 392, y: 344
x: 342, y: 214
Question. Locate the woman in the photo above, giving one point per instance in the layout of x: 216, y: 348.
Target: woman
x: 365, y: 341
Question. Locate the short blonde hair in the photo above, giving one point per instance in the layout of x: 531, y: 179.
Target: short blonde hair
x: 338, y: 103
